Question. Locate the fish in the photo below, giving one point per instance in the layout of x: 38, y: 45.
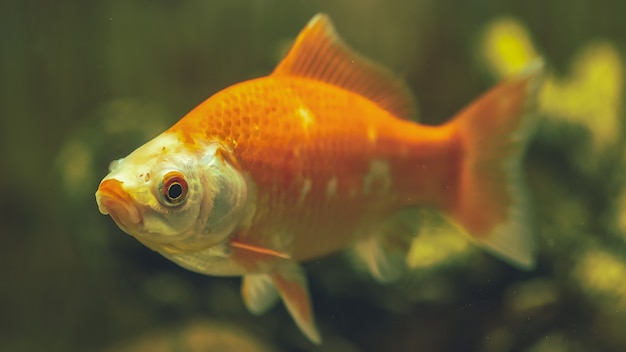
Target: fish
x: 322, y: 155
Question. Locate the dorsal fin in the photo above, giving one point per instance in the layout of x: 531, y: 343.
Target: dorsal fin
x: 318, y: 53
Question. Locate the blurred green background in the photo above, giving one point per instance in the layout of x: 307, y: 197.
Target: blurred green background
x: 83, y: 83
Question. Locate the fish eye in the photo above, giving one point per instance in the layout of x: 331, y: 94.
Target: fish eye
x: 173, y: 188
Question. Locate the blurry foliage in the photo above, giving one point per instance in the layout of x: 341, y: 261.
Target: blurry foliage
x: 590, y: 96
x: 437, y: 242
x: 602, y: 275
x: 85, y: 83
x: 507, y: 47
x: 577, y: 236
x: 197, y: 336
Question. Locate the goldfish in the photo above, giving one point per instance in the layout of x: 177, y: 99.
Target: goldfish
x: 319, y: 156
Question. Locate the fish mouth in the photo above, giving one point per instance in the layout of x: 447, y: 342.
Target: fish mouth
x: 113, y: 200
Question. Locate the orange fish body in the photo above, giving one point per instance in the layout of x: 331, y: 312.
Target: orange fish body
x: 322, y: 176
x: 320, y: 155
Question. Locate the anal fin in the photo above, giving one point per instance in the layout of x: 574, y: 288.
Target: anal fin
x: 383, y: 267
x: 384, y: 252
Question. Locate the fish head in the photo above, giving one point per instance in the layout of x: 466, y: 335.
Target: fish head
x: 173, y: 197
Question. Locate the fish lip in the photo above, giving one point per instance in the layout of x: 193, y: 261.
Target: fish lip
x: 113, y: 200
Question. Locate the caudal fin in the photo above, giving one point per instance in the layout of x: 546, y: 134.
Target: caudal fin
x: 492, y: 203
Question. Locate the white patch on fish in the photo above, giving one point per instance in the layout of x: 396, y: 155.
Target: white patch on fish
x: 379, y: 171
x: 306, y: 188
x: 372, y: 136
x: 331, y: 188
x: 306, y: 116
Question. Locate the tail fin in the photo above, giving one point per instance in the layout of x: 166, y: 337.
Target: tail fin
x: 492, y: 204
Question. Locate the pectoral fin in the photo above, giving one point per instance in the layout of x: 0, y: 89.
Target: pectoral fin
x: 258, y: 292
x: 293, y: 289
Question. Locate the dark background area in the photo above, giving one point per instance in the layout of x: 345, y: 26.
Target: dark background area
x: 84, y: 83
